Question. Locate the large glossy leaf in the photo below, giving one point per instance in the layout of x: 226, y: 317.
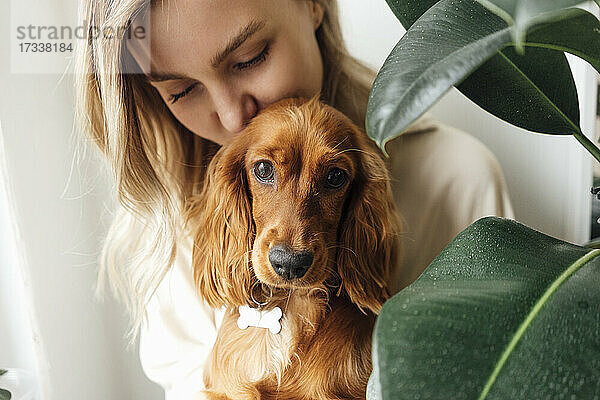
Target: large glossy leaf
x: 444, y: 45
x: 525, y: 90
x: 577, y: 32
x: 536, y: 90
x: 428, y: 60
x: 504, y: 312
x: 4, y: 394
x: 504, y: 84
x: 408, y: 11
x: 521, y: 14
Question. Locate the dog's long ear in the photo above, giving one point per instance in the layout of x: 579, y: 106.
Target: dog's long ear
x: 222, y: 221
x: 370, y: 233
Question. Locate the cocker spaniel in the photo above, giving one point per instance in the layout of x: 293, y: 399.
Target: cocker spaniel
x: 296, y: 232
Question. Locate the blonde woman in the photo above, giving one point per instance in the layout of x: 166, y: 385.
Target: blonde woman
x: 211, y: 67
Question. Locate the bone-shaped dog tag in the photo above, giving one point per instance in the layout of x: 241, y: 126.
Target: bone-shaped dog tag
x: 260, y: 318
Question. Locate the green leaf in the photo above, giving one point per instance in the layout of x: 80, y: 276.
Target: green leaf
x: 452, y: 39
x: 4, y: 394
x: 444, y: 45
x: 504, y: 312
x: 577, y: 32
x: 408, y: 11
x: 534, y: 92
x: 521, y: 14
x: 526, y: 12
x: 594, y: 244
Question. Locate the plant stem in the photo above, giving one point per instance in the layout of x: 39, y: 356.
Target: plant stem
x: 587, y: 143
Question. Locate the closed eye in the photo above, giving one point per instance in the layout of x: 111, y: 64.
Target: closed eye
x: 261, y: 57
x: 174, y: 97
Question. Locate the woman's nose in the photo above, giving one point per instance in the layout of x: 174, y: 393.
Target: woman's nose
x: 235, y: 110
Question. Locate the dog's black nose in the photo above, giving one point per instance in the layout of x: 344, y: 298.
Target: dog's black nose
x: 287, y: 264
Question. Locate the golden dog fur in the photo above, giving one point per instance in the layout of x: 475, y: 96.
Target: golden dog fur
x: 324, y: 348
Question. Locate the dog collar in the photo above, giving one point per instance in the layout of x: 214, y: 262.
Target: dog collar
x: 268, y: 319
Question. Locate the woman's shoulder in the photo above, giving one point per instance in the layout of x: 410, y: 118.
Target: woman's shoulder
x: 442, y: 179
x: 438, y: 149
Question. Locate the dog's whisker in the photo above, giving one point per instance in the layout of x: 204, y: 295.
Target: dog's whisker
x: 340, y: 142
x: 319, y: 233
x: 257, y: 282
x: 288, y: 299
x: 343, y: 248
x: 351, y: 149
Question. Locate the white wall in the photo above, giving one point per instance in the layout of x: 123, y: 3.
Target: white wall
x: 21, y: 346
x: 548, y: 177
x: 61, y: 207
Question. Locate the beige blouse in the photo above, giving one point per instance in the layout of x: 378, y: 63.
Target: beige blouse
x: 443, y: 180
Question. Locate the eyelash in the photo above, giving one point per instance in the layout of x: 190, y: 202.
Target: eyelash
x: 240, y: 66
x: 256, y: 60
x: 174, y: 97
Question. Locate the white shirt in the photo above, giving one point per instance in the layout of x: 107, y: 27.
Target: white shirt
x: 443, y: 180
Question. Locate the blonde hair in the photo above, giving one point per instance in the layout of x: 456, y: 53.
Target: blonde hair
x: 156, y: 162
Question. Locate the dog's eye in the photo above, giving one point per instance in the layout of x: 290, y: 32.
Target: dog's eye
x: 263, y: 170
x: 335, y: 178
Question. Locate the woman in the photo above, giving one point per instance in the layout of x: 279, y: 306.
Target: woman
x: 211, y: 67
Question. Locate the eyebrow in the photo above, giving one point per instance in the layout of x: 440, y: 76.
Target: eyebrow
x: 245, y: 33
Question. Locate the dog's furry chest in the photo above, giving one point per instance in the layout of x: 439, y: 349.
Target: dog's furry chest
x: 254, y: 353
x: 255, y: 364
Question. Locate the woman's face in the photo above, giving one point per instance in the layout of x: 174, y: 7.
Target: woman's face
x: 217, y: 63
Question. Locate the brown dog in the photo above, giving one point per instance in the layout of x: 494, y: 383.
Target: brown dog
x: 297, y: 214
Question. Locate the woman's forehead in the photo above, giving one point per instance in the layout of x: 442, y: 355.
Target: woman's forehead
x: 199, y: 30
